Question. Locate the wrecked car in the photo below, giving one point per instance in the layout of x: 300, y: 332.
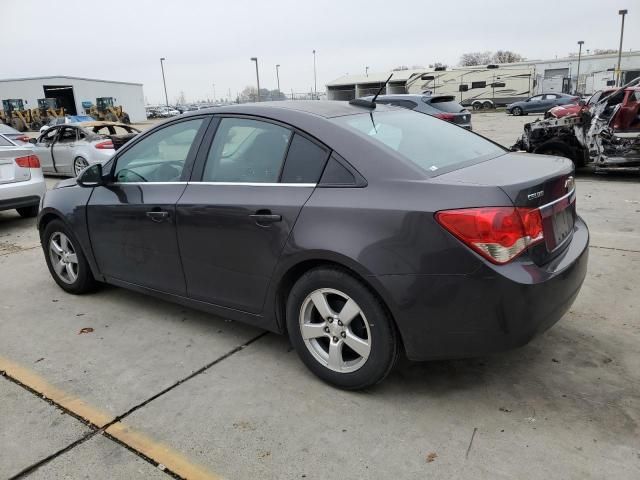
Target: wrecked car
x: 607, y: 133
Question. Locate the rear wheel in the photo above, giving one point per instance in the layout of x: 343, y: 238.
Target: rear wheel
x: 487, y: 105
x: 516, y: 111
x: 65, y: 260
x: 18, y: 124
x: 340, y: 329
x: 27, y: 212
x: 79, y: 164
x: 477, y: 106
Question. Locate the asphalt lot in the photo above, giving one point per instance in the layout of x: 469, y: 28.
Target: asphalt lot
x: 157, y: 389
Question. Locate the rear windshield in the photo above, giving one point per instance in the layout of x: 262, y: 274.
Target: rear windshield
x: 430, y: 143
x: 444, y: 103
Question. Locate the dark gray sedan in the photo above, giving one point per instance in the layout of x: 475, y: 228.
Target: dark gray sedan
x: 360, y: 232
x: 540, y: 103
x: 443, y: 107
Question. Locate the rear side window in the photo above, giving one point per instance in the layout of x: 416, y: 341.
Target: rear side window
x: 445, y: 104
x: 246, y: 151
x: 401, y: 103
x: 305, y: 161
x: 5, y: 143
x: 429, y: 143
x: 337, y: 175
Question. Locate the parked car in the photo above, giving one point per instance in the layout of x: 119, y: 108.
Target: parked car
x: 359, y: 231
x: 68, y: 149
x: 21, y: 181
x: 13, y: 136
x: 67, y: 119
x: 540, y: 103
x: 575, y: 108
x: 443, y: 107
x: 165, y: 112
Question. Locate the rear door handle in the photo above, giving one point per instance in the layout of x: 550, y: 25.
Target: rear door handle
x: 158, y: 215
x: 265, y: 217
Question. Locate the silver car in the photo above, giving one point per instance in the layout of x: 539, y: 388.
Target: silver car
x: 21, y: 181
x: 69, y: 149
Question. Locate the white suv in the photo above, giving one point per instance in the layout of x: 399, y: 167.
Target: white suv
x: 21, y: 181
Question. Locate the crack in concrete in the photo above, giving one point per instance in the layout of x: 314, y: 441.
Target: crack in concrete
x: 615, y: 249
x: 8, y: 251
x: 102, y: 430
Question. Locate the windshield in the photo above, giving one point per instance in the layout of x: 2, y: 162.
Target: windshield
x: 430, y: 143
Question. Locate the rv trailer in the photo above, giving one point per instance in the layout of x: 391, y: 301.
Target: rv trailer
x: 486, y: 86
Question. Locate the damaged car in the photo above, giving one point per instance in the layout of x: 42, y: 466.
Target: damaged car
x: 607, y: 133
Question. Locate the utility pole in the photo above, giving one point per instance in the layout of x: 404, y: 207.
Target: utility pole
x: 214, y: 92
x: 278, y: 78
x: 580, y: 43
x: 366, y: 71
x: 255, y: 59
x: 164, y: 82
x: 619, y: 79
x: 315, y: 78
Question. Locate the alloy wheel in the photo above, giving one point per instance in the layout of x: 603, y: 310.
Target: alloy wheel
x: 335, y: 330
x: 79, y: 164
x: 63, y: 257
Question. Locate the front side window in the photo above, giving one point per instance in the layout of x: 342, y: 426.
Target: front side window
x: 246, y: 151
x: 161, y: 156
x: 428, y: 142
x: 67, y: 135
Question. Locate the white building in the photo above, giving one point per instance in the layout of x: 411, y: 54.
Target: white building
x: 75, y: 93
x: 557, y: 75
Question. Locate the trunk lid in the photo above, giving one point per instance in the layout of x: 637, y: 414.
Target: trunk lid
x: 10, y: 172
x: 532, y: 181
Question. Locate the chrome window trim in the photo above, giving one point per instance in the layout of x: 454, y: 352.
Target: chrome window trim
x: 239, y: 184
x: 148, y: 183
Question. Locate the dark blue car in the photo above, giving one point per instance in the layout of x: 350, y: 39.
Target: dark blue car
x: 540, y: 103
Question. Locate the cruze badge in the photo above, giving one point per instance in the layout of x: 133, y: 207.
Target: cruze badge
x: 534, y: 195
x: 569, y: 183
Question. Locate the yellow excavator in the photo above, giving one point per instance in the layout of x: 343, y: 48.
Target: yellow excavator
x: 104, y: 109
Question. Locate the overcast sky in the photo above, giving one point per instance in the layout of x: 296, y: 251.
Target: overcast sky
x: 207, y: 42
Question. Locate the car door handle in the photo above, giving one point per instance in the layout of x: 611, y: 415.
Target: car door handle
x: 158, y: 215
x: 265, y: 217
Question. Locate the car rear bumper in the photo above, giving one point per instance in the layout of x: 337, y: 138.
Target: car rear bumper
x: 22, y: 194
x: 495, y: 308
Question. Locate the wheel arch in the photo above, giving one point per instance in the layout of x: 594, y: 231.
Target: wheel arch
x: 297, y: 269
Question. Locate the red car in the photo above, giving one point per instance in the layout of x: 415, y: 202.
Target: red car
x: 575, y: 108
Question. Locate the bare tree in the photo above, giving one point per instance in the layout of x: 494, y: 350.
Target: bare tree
x: 604, y: 51
x: 475, y: 58
x: 507, y: 56
x: 249, y: 94
x: 401, y: 68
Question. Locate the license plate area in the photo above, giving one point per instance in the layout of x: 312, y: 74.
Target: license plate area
x: 558, y: 219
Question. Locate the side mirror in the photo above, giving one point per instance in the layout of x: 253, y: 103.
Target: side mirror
x: 33, y: 140
x: 91, y: 176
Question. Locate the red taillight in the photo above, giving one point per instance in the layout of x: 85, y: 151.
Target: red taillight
x: 445, y: 116
x: 31, y: 161
x: 497, y: 233
x: 107, y: 144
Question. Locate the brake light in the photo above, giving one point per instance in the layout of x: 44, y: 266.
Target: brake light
x: 31, y: 161
x: 106, y: 145
x: 445, y: 116
x: 497, y: 233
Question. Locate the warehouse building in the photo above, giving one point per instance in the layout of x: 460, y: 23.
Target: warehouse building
x: 538, y: 76
x: 75, y: 94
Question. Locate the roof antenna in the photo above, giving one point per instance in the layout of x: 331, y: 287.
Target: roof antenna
x: 361, y: 102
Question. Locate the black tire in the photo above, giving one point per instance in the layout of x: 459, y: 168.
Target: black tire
x: 18, y: 124
x: 28, y: 212
x: 487, y: 105
x: 110, y: 117
x: 84, y: 281
x: 126, y: 119
x: 559, y: 149
x: 379, y: 329
x: 477, y: 106
x: 516, y: 111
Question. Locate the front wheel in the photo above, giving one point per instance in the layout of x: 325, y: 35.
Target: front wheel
x: 79, y: 164
x: 516, y: 111
x: 340, y: 329
x: 65, y: 260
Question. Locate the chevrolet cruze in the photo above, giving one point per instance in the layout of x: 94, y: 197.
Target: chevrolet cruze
x: 360, y: 231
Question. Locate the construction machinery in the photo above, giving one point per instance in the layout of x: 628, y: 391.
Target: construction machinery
x: 104, y: 109
x: 47, y: 110
x: 14, y: 114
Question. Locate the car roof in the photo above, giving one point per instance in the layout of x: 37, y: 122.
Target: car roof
x: 319, y: 108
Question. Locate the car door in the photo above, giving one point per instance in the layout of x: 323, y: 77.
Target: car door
x: 132, y: 221
x: 238, y: 210
x: 63, y: 148
x: 42, y: 149
x: 534, y: 104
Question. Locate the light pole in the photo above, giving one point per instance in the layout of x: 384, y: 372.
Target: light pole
x: 255, y: 59
x: 366, y: 71
x: 315, y: 78
x: 580, y: 43
x: 278, y: 78
x: 214, y: 92
x: 619, y: 79
x: 164, y: 82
